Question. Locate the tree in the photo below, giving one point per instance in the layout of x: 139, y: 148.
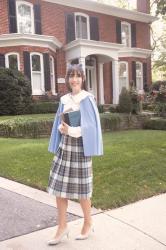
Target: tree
x: 159, y: 38
x: 15, y: 92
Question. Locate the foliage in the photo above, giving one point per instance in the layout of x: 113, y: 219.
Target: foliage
x: 15, y: 92
x: 161, y: 7
x: 26, y: 127
x: 161, y: 101
x: 153, y: 123
x: 156, y: 97
x: 125, y: 102
x: 43, y: 107
x: 100, y: 108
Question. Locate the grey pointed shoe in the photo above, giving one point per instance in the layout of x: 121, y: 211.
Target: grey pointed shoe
x: 55, y: 241
x: 85, y: 236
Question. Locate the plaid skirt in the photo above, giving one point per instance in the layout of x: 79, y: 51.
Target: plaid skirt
x: 71, y: 174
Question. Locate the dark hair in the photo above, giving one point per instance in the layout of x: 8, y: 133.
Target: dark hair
x: 72, y: 68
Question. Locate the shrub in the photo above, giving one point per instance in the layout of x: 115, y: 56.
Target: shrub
x: 113, y: 108
x: 125, y: 103
x: 110, y: 121
x: 43, y: 107
x: 15, y: 92
x: 100, y: 108
x: 26, y: 127
x: 153, y: 123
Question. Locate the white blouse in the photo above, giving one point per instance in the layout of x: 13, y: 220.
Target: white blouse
x: 73, y: 102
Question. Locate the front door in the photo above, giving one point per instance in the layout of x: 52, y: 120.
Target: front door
x: 91, y: 80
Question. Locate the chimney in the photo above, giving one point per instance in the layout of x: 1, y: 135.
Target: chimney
x: 143, y: 6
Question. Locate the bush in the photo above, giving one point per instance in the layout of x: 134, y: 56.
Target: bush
x: 125, y: 104
x: 110, y: 121
x: 15, y: 92
x: 155, y: 123
x: 26, y: 127
x: 43, y: 107
x: 113, y: 108
x: 100, y: 108
x: 156, y: 85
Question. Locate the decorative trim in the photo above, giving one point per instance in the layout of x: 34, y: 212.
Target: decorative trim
x: 52, y: 75
x: 15, y: 39
x: 19, y: 2
x: 42, y: 89
x: 7, y: 59
x: 135, y: 52
x: 87, y: 19
x: 129, y: 27
x: 100, y: 44
x: 106, y: 9
x: 141, y: 65
x: 107, y: 48
x: 127, y: 76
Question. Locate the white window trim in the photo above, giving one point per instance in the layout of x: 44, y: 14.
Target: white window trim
x: 42, y: 91
x: 32, y: 11
x: 140, y: 63
x: 129, y: 26
x: 127, y: 70
x: 53, y: 73
x: 93, y: 80
x: 88, y: 25
x: 7, y: 59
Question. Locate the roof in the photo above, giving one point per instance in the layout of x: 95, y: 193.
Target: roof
x: 106, y: 9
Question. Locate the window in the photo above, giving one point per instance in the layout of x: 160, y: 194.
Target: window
x: 82, y: 26
x: 25, y: 17
x: 52, y: 75
x: 139, y: 75
x: 126, y: 34
x: 123, y: 76
x: 12, y: 61
x: 37, y: 74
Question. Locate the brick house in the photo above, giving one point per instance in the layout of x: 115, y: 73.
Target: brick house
x: 40, y: 37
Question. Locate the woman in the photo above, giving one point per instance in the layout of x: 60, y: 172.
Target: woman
x: 71, y: 175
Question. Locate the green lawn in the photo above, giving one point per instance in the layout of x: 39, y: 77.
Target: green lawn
x: 133, y: 166
x: 30, y: 116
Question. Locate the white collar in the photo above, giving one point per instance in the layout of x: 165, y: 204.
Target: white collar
x: 80, y: 96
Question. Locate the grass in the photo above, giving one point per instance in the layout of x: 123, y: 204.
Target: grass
x: 133, y: 166
x: 31, y: 116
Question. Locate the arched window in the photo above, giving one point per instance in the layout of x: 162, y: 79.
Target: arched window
x: 139, y: 75
x: 12, y: 60
x: 123, y: 76
x: 126, y: 33
x: 25, y: 17
x: 37, y: 73
x: 82, y: 26
x: 52, y: 75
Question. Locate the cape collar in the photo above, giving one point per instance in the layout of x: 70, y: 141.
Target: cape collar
x: 78, y: 97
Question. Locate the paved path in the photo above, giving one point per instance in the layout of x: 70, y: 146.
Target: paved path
x: 29, y: 213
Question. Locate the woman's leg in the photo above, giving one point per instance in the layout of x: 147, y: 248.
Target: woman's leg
x: 62, y: 204
x: 86, y: 207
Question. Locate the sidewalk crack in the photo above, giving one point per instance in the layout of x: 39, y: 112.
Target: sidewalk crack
x: 136, y: 228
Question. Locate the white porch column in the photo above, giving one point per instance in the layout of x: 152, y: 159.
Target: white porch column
x: 101, y: 84
x: 82, y: 61
x: 115, y: 74
x: 67, y: 64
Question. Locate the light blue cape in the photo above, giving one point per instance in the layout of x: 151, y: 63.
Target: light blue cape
x: 90, y: 128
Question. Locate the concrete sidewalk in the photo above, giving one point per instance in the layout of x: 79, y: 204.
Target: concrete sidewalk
x: 137, y: 226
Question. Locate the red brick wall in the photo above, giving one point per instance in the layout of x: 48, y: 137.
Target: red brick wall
x: 143, y: 6
x: 4, y: 17
x: 143, y: 35
x: 53, y: 23
x: 107, y: 24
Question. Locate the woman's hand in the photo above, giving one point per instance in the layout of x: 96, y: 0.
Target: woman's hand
x: 64, y: 128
